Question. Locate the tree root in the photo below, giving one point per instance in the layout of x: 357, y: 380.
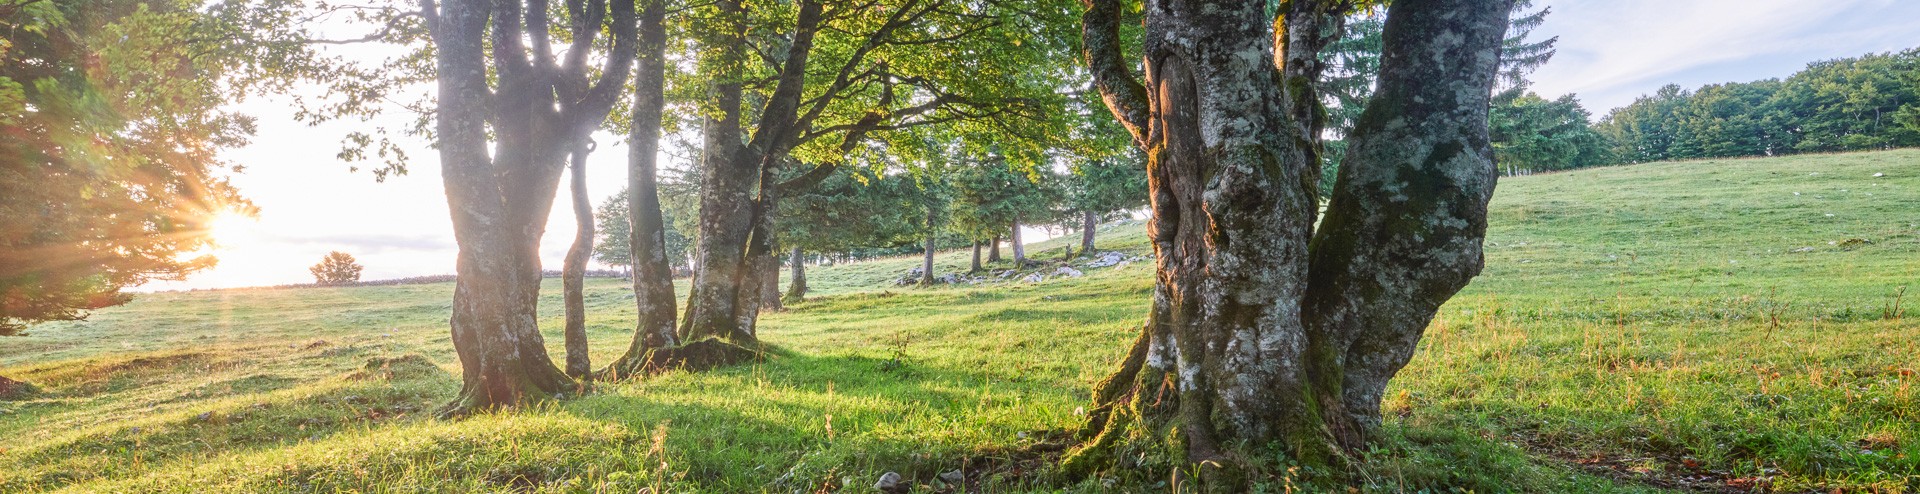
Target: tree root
x: 701, y: 355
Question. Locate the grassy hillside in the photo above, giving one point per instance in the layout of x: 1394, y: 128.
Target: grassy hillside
x: 1726, y: 324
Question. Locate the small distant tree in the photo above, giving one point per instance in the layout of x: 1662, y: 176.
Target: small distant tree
x: 336, y: 268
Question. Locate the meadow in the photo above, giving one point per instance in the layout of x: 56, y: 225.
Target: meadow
x: 1720, y: 325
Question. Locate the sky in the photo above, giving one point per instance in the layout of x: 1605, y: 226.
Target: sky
x: 1610, y: 51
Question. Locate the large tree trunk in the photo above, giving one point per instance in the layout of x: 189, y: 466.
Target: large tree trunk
x: 797, y: 286
x: 1019, y: 250
x: 573, y: 274
x: 770, y: 285
x: 499, y: 201
x: 726, y: 200
x: 1255, y: 339
x: 1404, y: 229
x: 1088, y: 222
x: 993, y: 255
x: 653, y: 296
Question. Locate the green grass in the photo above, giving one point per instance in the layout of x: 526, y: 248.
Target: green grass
x: 1636, y: 328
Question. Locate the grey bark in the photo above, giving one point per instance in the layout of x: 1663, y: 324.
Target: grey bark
x: 797, y: 284
x: 531, y: 109
x: 653, y: 296
x: 1262, y: 331
x: 1019, y: 251
x: 1088, y: 223
x: 975, y: 268
x: 926, y: 259
x: 993, y: 255
x: 574, y: 269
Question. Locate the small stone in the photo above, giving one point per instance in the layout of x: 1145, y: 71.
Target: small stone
x: 889, y: 482
x: 1878, y: 175
x: 954, y: 477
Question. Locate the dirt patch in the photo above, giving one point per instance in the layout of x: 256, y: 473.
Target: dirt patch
x: 409, y: 366
x: 11, y: 389
x: 1662, y: 471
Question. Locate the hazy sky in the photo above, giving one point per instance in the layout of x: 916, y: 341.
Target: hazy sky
x: 1610, y: 51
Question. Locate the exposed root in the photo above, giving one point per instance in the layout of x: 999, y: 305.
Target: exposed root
x: 506, y: 388
x: 705, y: 354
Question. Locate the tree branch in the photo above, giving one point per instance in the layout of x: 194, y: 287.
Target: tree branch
x: 1124, y: 95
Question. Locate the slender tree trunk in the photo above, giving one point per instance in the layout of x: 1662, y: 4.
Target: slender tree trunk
x: 653, y: 296
x: 993, y: 255
x: 976, y: 258
x: 797, y: 286
x: 574, y: 269
x: 1019, y: 250
x: 926, y: 262
x: 1088, y: 223
x: 1263, y: 333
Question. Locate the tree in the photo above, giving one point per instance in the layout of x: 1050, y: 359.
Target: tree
x: 836, y: 75
x: 1532, y: 134
x: 1351, y: 64
x: 1098, y: 189
x: 336, y: 268
x: 854, y: 208
x: 613, y: 246
x: 1266, y: 334
x: 500, y: 83
x: 573, y: 272
x: 114, y: 115
x: 991, y: 198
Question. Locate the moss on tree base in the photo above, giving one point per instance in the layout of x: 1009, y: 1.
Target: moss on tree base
x: 700, y: 355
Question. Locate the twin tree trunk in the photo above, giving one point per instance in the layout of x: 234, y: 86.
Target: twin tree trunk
x: 993, y: 255
x: 1264, y: 332
x: 532, y: 107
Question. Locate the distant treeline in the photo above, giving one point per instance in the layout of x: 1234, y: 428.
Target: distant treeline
x: 414, y: 280
x: 1851, y: 104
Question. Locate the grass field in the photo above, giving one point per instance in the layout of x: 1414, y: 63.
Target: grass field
x: 1721, y: 325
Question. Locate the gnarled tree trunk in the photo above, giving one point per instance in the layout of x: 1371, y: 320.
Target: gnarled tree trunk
x: 531, y: 106
x: 1264, y: 333
x: 573, y: 274
x: 993, y: 254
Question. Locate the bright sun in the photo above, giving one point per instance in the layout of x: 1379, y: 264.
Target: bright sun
x: 230, y: 230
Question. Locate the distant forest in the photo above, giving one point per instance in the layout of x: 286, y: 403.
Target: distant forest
x: 1851, y: 104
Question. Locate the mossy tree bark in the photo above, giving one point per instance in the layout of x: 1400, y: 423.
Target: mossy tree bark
x: 1265, y: 334
x: 500, y: 83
